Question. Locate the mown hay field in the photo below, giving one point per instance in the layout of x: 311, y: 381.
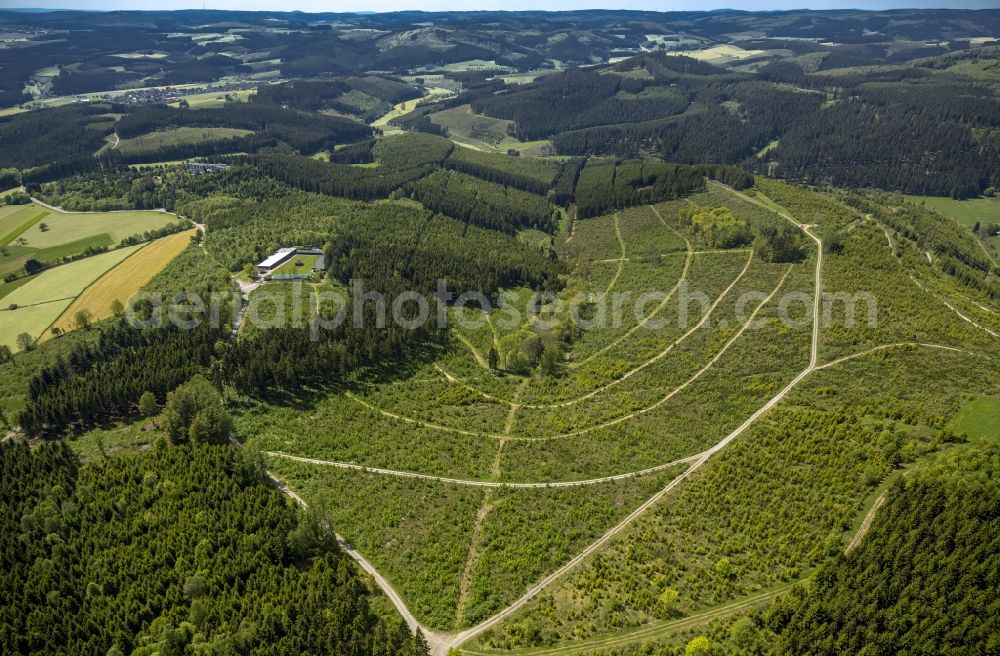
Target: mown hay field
x: 64, y: 228
x: 41, y: 301
x: 121, y: 282
x: 15, y: 219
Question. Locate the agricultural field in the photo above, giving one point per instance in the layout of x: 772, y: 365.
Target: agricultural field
x: 8, y: 287
x: 69, y: 227
x: 177, y: 137
x: 721, y: 54
x: 42, y: 300
x: 67, y: 234
x: 405, y: 107
x: 17, y: 219
x: 215, y: 98
x: 121, y: 282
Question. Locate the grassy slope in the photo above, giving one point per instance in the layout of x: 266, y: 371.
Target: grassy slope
x: 64, y: 228
x: 979, y: 418
x: 51, y: 292
x: 176, y: 137
x: 15, y: 219
x: 124, y: 280
x: 966, y: 212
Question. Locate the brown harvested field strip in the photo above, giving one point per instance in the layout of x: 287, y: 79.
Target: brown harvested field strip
x: 124, y: 280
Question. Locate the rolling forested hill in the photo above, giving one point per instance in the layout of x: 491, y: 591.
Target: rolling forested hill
x: 520, y: 333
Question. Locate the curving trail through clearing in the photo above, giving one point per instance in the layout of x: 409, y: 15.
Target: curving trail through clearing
x: 954, y: 309
x: 656, y: 358
x: 472, y: 348
x: 473, y: 555
x: 479, y: 483
x: 589, y: 481
x: 425, y: 424
x: 671, y: 627
x: 610, y: 422
x: 433, y: 639
x: 651, y: 632
x: 883, y: 347
x: 966, y: 318
x: 621, y: 259
x: 866, y: 524
x: 468, y: 634
x: 916, y: 282
x: 680, y: 281
x: 442, y: 643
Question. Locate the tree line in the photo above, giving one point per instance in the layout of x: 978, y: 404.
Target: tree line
x: 94, y: 383
x: 921, y: 579
x: 605, y: 184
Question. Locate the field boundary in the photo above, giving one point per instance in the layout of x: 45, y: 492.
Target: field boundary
x: 84, y: 290
x: 145, y: 248
x: 21, y: 229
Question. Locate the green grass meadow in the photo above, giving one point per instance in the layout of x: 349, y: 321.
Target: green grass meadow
x: 979, y: 419
x: 16, y: 219
x: 69, y: 227
x: 967, y: 212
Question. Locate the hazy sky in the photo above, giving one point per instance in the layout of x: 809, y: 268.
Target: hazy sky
x: 438, y: 5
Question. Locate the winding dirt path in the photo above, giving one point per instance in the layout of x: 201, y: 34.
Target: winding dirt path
x: 920, y: 286
x: 482, y: 483
x: 610, y: 422
x: 472, y: 348
x: 441, y: 644
x: 680, y: 281
x: 669, y: 628
x: 866, y: 524
x: 651, y: 632
x: 659, y: 356
x: 484, y: 510
x: 433, y: 639
x: 468, y: 634
x: 620, y: 260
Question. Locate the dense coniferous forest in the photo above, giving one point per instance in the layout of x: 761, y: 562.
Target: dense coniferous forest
x: 536, y: 176
x: 93, y: 384
x: 365, y: 97
x: 578, y: 99
x: 923, y: 136
x: 481, y: 203
x: 923, y: 580
x: 302, y: 131
x: 178, y: 549
x: 39, y: 138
